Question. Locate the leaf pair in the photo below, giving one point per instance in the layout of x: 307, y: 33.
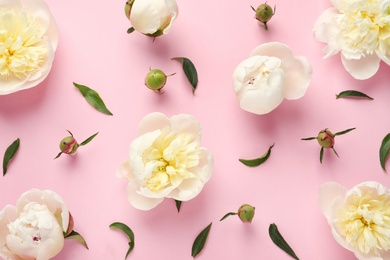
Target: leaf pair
x: 129, y: 233
x: 258, y: 161
x: 10, y: 154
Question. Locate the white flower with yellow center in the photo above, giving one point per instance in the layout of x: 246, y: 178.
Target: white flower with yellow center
x: 166, y: 161
x: 359, y: 218
x: 28, y: 39
x: 360, y: 30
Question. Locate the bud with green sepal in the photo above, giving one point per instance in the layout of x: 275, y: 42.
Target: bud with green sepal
x: 246, y: 213
x: 264, y: 13
x: 326, y: 139
x: 156, y: 79
x: 69, y: 145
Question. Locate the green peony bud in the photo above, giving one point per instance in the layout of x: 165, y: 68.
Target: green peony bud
x: 69, y: 145
x: 264, y: 13
x: 246, y: 213
x: 325, y: 138
x: 156, y: 79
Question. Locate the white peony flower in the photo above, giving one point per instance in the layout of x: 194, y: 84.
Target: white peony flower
x: 33, y: 229
x: 166, y: 161
x: 28, y: 39
x: 271, y: 74
x: 152, y: 17
x: 359, y: 218
x: 360, y: 30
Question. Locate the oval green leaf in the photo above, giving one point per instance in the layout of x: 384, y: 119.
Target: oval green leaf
x: 228, y: 214
x: 384, y: 151
x: 9, y: 154
x: 93, y: 98
x: 278, y: 239
x: 76, y: 236
x: 130, y: 30
x: 200, y: 241
x: 189, y: 71
x: 178, y: 205
x: 345, y: 131
x: 352, y: 93
x: 130, y: 234
x: 258, y: 161
x: 89, y: 139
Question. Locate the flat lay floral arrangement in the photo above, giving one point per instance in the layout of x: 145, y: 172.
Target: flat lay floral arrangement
x: 179, y: 129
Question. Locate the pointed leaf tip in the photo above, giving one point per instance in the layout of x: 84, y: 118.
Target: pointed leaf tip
x: 384, y: 151
x: 200, y: 241
x: 178, y: 205
x: 9, y: 154
x: 89, y: 139
x: 130, y: 234
x: 278, y: 240
x: 93, y: 98
x: 76, y: 236
x: 189, y: 71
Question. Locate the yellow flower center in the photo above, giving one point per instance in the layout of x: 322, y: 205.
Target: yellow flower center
x: 23, y: 50
x: 364, y: 221
x: 170, y: 157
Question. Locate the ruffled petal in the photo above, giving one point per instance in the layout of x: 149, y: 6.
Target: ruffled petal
x: 328, y: 193
x: 40, y: 11
x: 10, y: 3
x: 298, y: 78
x: 185, y: 123
x: 174, y: 12
x: 327, y: 30
x: 362, y: 68
x: 273, y: 49
x: 139, y: 201
x: 145, y: 15
x: 7, y: 215
x: 152, y: 122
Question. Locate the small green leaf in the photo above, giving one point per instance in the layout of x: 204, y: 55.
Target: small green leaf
x: 228, y: 214
x: 190, y: 71
x: 321, y: 154
x: 277, y: 238
x: 9, y: 154
x: 352, y: 93
x: 93, y: 98
x: 335, y: 152
x: 258, y: 161
x: 58, y: 155
x: 384, y: 151
x: 125, y: 229
x: 309, y: 138
x: 76, y: 236
x: 130, y: 30
x: 89, y: 139
x: 345, y: 131
x: 178, y: 205
x: 200, y: 240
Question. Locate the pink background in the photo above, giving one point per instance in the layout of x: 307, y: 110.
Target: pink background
x: 96, y: 51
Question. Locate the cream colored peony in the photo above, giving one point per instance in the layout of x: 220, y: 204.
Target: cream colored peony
x: 360, y: 30
x: 359, y: 218
x: 33, y: 229
x: 166, y: 161
x: 271, y: 74
x: 28, y: 39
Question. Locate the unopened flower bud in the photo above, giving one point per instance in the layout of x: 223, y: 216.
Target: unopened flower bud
x: 128, y: 6
x: 246, y: 213
x: 70, y: 226
x: 326, y: 139
x: 264, y: 13
x: 69, y: 145
x: 155, y: 79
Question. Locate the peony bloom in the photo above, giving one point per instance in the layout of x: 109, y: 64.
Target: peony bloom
x: 359, y: 218
x: 166, y: 161
x: 35, y: 227
x: 358, y: 29
x: 152, y: 17
x: 28, y: 39
x: 268, y: 76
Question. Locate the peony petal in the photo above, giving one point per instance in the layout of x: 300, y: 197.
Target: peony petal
x: 174, y: 10
x: 298, y: 78
x: 328, y: 193
x: 10, y: 3
x: 7, y: 215
x: 206, y: 165
x: 40, y: 11
x: 139, y: 201
x: 6, y: 254
x: 145, y: 15
x: 124, y: 171
x: 327, y: 30
x: 362, y: 68
x: 264, y: 99
x: 51, y: 247
x: 152, y: 122
x: 273, y: 49
x: 185, y: 123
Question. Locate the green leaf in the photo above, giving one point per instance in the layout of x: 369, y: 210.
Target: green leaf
x: 58, y: 155
x: 76, y: 236
x: 190, y: 71
x: 335, y: 152
x: 178, y: 205
x: 93, y: 98
x: 352, y: 93
x: 309, y: 138
x: 89, y: 139
x: 277, y: 238
x: 125, y: 229
x: 258, y: 161
x: 130, y: 30
x: 384, y: 151
x: 228, y: 214
x: 345, y: 131
x: 9, y: 154
x: 321, y: 154
x: 200, y: 240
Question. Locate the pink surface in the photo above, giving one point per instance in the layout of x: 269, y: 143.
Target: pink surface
x: 96, y: 51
